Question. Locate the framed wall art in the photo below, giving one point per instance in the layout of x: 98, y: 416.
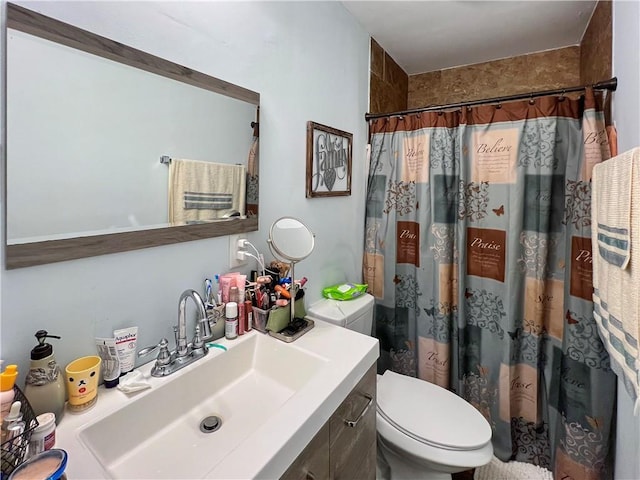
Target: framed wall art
x: 328, y: 161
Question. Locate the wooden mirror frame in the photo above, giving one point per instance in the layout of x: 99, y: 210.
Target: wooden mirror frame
x: 50, y: 251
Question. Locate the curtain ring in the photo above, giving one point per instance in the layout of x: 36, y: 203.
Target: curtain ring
x: 440, y: 112
x: 498, y: 106
x: 562, y: 97
x: 531, y: 100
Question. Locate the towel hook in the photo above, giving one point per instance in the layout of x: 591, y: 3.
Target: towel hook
x: 165, y: 159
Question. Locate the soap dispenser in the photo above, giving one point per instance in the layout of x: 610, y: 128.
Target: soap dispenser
x: 44, y: 385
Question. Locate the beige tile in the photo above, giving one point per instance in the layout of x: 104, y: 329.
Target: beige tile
x: 388, y: 83
x: 595, y: 49
x: 538, y: 71
x: 377, y: 59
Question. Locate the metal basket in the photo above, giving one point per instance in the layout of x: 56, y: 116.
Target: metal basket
x: 14, y: 451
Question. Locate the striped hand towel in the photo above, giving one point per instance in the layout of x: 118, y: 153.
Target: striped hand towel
x: 204, y: 191
x: 613, y: 202
x: 615, y: 215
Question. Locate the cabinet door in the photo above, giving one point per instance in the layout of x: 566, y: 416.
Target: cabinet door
x: 353, y: 432
x: 313, y: 462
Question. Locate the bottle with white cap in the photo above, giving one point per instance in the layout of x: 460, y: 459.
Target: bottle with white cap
x: 231, y: 320
x: 7, y: 393
x: 12, y: 426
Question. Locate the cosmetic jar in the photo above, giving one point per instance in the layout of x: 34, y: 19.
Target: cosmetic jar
x: 43, y: 436
x: 49, y: 465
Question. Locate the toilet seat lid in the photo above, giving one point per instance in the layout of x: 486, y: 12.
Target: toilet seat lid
x: 430, y: 414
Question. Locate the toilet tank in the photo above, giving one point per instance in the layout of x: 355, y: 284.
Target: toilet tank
x: 355, y: 314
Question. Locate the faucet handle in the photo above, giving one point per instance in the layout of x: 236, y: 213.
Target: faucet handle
x: 197, y: 341
x: 147, y: 350
x: 164, y: 356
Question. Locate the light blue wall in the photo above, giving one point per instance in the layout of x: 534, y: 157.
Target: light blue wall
x: 309, y: 61
x: 626, y: 114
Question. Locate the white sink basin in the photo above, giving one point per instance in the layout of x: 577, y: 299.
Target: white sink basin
x: 272, y: 397
x: 242, y: 386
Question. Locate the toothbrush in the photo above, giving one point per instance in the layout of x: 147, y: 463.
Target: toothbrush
x: 207, y: 291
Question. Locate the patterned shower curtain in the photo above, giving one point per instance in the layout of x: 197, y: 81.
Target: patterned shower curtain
x: 478, y: 251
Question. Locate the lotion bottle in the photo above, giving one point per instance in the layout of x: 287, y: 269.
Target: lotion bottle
x: 241, y: 318
x: 44, y: 385
x: 248, y: 312
x: 7, y: 394
x: 231, y: 320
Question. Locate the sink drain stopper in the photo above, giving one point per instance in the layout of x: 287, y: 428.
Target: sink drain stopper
x: 210, y: 424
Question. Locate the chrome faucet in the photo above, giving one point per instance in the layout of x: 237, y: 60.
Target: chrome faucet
x: 182, y: 348
x: 185, y: 353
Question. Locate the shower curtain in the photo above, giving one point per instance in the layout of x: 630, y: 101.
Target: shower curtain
x: 478, y: 251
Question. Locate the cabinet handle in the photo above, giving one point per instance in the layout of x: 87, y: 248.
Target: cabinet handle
x: 354, y: 423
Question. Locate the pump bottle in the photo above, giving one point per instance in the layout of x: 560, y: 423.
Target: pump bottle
x: 44, y: 385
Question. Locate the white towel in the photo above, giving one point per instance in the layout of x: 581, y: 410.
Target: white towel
x: 204, y: 191
x: 133, y: 382
x: 614, y: 209
x: 616, y: 283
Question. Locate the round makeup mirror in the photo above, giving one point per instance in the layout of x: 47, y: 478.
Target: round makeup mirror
x: 291, y: 240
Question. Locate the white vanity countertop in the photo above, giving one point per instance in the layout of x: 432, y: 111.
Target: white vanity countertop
x: 268, y: 451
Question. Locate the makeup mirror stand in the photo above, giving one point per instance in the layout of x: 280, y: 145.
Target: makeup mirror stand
x: 288, y: 250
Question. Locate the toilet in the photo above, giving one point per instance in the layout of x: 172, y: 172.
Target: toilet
x: 424, y: 431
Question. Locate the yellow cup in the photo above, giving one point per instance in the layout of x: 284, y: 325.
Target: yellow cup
x: 82, y: 382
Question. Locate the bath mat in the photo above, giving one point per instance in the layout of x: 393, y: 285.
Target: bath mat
x: 497, y: 470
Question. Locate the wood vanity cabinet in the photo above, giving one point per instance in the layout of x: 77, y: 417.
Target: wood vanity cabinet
x: 313, y: 462
x: 340, y: 451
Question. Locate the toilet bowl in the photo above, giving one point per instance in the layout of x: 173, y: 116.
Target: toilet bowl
x: 424, y: 431
x: 427, y: 432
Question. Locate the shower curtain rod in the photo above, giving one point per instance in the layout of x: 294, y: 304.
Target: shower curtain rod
x: 610, y: 84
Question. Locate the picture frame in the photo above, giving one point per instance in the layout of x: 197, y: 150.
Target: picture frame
x: 329, y: 153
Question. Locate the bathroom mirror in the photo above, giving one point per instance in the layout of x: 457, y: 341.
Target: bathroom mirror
x: 291, y: 240
x: 117, y: 111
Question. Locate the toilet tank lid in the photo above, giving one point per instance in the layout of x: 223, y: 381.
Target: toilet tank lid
x: 340, y: 312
